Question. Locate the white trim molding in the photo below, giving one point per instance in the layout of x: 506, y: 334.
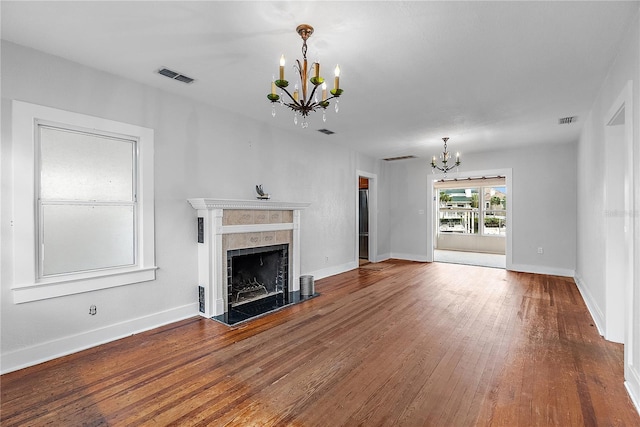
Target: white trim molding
x: 594, y: 310
x: 204, y: 203
x: 410, y: 257
x: 542, y: 269
x: 333, y: 270
x: 27, y: 285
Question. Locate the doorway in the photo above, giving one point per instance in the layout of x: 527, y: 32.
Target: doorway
x: 470, y: 221
x: 471, y: 225
x: 366, y: 218
x: 363, y: 219
x: 618, y: 202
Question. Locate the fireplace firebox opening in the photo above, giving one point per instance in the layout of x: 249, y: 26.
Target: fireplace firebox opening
x: 257, y: 273
x: 257, y: 280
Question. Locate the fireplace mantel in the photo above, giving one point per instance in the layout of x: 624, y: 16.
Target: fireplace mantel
x: 202, y: 203
x: 227, y: 223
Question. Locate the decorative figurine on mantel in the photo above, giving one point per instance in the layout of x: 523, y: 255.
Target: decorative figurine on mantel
x: 261, y: 194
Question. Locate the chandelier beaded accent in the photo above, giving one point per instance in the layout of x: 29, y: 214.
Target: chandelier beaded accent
x: 304, y: 105
x: 445, y: 160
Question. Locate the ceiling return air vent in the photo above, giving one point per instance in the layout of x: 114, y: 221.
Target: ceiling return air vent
x: 326, y: 131
x: 175, y: 76
x: 567, y: 120
x: 391, y: 159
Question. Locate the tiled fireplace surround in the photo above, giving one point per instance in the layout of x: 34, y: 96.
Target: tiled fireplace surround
x: 240, y: 224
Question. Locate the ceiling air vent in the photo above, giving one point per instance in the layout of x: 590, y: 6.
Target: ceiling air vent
x: 390, y: 159
x: 326, y: 131
x: 175, y: 76
x: 567, y: 120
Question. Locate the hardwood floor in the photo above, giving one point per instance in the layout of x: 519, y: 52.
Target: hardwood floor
x: 409, y: 345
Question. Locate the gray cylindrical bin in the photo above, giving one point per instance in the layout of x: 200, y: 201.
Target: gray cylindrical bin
x: 306, y: 286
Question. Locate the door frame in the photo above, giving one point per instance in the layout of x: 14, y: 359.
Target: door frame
x: 373, y: 215
x: 432, y: 203
x: 627, y: 331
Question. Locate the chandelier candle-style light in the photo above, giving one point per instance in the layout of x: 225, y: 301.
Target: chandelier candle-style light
x: 445, y: 160
x: 301, y: 103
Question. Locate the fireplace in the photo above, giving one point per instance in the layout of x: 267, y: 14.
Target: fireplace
x: 235, y: 233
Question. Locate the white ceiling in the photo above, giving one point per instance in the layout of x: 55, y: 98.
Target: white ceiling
x: 486, y: 74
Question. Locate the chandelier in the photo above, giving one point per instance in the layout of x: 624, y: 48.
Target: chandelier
x: 304, y: 103
x: 445, y: 160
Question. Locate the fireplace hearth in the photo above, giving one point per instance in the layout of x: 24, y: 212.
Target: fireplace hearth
x: 259, y: 307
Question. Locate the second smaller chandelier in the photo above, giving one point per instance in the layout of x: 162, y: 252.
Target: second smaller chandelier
x: 446, y: 167
x: 303, y: 102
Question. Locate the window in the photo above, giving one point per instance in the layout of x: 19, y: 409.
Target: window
x: 495, y: 213
x: 90, y: 181
x: 86, y: 201
x: 461, y: 208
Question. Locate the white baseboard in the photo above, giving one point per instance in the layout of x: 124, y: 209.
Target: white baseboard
x: 541, y: 269
x: 352, y: 265
x: 632, y: 377
x: 29, y: 356
x: 409, y: 257
x: 634, y: 394
x: 333, y: 270
x: 381, y: 257
x: 594, y: 310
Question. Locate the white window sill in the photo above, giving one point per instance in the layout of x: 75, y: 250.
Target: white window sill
x: 61, y: 286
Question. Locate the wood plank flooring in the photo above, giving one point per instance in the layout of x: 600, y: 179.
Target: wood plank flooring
x: 410, y: 345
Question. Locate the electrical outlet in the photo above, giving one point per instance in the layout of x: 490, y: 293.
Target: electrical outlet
x: 326, y: 259
x: 93, y: 310
x: 540, y: 251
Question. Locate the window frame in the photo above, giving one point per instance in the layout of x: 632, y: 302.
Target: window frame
x: 28, y: 286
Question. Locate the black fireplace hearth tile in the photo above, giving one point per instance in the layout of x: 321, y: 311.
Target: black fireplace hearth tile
x: 246, y: 312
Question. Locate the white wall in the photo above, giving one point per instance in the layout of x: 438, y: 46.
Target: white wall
x: 408, y: 209
x: 542, y: 197
x: 200, y: 151
x: 591, y: 274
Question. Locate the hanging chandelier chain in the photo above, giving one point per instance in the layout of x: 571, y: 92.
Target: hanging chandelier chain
x: 305, y: 32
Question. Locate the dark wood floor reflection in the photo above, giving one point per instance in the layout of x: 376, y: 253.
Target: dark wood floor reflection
x: 408, y: 344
